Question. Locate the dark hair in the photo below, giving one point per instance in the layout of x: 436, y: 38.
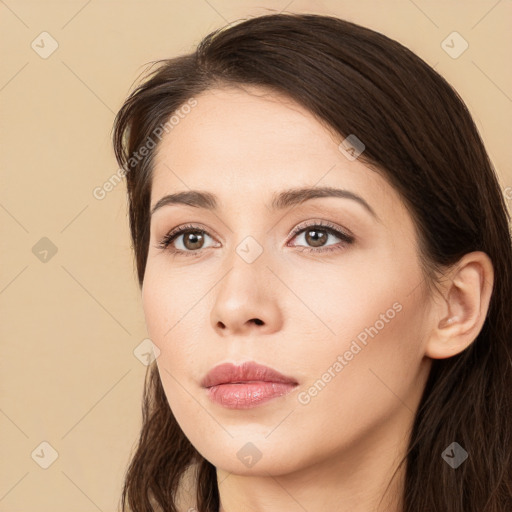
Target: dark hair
x: 419, y: 134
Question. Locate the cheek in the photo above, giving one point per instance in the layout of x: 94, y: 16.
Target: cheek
x: 177, y: 315
x: 360, y: 327
x: 342, y: 305
x: 167, y: 301
x: 156, y: 307
x: 369, y: 373
x: 170, y: 316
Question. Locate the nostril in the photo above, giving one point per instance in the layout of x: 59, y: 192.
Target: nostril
x: 257, y: 321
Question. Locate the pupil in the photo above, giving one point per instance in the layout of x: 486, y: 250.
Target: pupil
x: 193, y: 238
x: 318, y: 237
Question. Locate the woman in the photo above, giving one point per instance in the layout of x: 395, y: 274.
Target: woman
x: 324, y: 256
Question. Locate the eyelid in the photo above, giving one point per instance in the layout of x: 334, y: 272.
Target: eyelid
x: 189, y: 226
x: 325, y: 224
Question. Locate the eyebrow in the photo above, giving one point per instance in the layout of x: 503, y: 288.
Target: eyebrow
x: 280, y: 201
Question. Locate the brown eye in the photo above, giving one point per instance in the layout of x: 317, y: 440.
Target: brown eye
x: 321, y: 238
x: 316, y: 237
x: 193, y: 240
x: 189, y: 240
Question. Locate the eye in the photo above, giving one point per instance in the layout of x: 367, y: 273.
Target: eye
x: 317, y: 235
x: 189, y: 240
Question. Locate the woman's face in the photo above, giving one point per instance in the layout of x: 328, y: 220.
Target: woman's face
x: 343, y: 314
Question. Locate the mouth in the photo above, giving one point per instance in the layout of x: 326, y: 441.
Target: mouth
x: 245, y: 386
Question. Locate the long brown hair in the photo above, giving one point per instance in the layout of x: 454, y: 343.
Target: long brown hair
x: 419, y: 134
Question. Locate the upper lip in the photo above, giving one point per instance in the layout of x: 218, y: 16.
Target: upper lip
x: 246, y: 372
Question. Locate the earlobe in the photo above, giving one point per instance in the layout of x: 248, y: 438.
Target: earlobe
x: 459, y: 317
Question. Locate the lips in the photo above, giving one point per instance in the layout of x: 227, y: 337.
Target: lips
x: 248, y: 372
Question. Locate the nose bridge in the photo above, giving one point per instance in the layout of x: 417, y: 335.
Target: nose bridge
x: 247, y: 271
x: 244, y: 299
x: 249, y: 239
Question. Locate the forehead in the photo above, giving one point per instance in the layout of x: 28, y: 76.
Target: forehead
x: 253, y: 125
x: 255, y: 142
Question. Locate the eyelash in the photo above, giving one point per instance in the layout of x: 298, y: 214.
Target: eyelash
x: 168, y: 239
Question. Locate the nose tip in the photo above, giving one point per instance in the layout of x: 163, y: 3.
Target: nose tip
x: 244, y: 303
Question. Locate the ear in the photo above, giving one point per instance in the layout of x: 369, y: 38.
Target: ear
x: 460, y: 315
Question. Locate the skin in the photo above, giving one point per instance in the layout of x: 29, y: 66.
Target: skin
x: 338, y: 451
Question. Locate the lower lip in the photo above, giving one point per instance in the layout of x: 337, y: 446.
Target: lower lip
x: 247, y: 395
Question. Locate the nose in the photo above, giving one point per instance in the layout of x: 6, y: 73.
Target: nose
x: 246, y: 302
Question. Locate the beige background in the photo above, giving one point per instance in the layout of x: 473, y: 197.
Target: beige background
x: 69, y: 325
